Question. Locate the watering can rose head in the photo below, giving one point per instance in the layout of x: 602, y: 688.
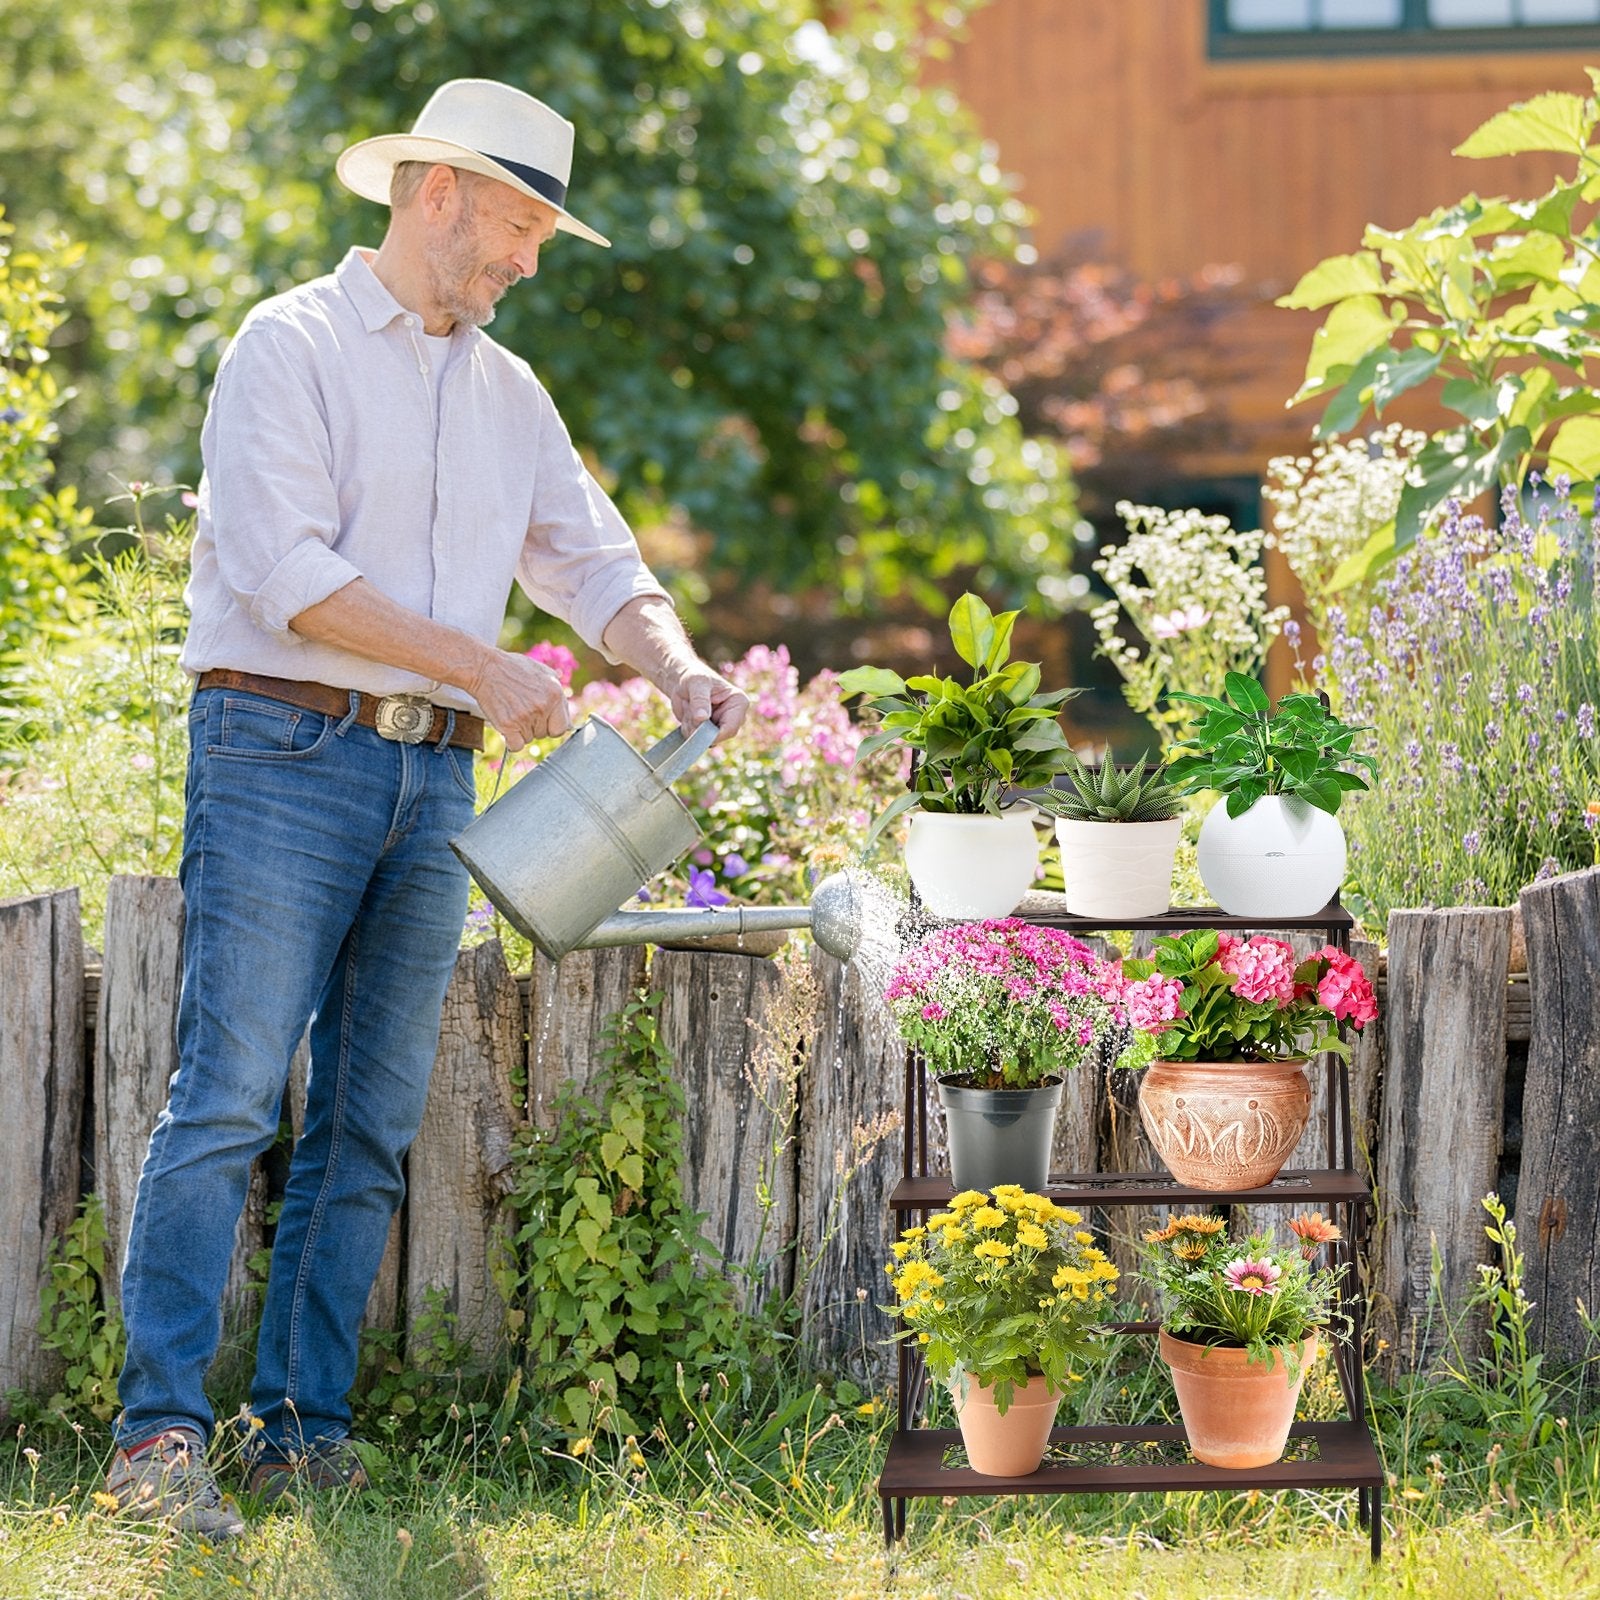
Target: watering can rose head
x: 1005, y: 1004
x: 974, y: 742
x: 1210, y: 996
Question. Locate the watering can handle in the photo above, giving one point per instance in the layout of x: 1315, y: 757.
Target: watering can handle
x: 674, y: 755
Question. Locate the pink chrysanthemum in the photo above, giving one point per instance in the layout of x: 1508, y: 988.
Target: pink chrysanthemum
x: 1252, y: 1277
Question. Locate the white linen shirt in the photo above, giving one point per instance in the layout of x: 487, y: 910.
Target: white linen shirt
x: 329, y: 456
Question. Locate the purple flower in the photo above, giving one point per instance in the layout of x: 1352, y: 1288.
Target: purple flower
x: 734, y: 865
x: 1471, y: 843
x: 1586, y: 720
x: 703, y: 890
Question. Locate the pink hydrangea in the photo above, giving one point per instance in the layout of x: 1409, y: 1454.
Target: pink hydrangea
x: 1262, y: 969
x: 1153, y: 1004
x: 1344, y: 988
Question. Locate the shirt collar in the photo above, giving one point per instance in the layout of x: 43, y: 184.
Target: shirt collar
x: 376, y: 307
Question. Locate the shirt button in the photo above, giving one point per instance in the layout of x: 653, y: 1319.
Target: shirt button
x: 411, y: 322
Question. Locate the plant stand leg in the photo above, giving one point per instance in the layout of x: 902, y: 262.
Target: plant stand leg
x: 1377, y: 1523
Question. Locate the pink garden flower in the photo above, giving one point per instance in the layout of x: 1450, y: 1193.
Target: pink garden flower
x: 1263, y: 969
x: 1252, y: 1277
x: 558, y: 658
x: 1344, y: 988
x: 1153, y: 1004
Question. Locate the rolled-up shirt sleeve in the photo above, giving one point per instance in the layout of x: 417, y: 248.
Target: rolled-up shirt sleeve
x: 269, y: 466
x: 580, y: 561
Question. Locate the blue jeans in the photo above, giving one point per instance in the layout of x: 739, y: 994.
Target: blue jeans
x: 317, y: 886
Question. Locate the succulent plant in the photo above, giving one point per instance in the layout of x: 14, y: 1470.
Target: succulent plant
x: 1107, y: 793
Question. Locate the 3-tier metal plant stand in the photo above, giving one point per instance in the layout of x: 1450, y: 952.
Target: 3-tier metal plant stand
x: 1117, y: 1458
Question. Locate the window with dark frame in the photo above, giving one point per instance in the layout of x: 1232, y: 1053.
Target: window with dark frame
x: 1372, y: 27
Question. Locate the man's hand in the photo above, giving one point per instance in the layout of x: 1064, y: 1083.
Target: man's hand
x: 699, y: 693
x: 521, y: 697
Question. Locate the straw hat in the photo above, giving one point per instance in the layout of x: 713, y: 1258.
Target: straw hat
x: 479, y: 126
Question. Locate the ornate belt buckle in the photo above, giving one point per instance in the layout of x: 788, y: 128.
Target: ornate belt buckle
x: 405, y: 718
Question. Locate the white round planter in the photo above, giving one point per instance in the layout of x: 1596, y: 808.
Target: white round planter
x: 1281, y: 858
x: 972, y: 867
x: 1118, y: 869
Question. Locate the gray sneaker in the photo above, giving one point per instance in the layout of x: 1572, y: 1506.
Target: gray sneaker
x: 166, y: 1479
x: 327, y: 1464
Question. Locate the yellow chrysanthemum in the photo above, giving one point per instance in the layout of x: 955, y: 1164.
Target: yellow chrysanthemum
x: 1008, y: 1191
x: 967, y: 1199
x: 1103, y: 1272
x: 987, y: 1217
x: 913, y: 1233
x: 1083, y: 1238
x: 954, y: 1235
x: 993, y: 1249
x: 943, y: 1219
x: 915, y: 1276
x: 1065, y: 1277
x: 1067, y: 1215
x: 1032, y: 1235
x: 901, y: 1249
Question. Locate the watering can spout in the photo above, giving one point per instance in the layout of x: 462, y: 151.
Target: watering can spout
x: 834, y: 918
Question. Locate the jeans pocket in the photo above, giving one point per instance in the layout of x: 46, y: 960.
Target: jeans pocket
x: 252, y: 728
x: 463, y: 769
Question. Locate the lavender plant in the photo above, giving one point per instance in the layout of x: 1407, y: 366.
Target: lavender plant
x: 1477, y: 668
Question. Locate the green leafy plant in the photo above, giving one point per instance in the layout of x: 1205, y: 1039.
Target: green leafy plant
x: 418, y: 1380
x: 975, y: 742
x: 1497, y: 300
x: 74, y: 1321
x: 613, y: 1291
x: 1244, y: 750
x: 1002, y: 1288
x: 1209, y: 996
x: 1253, y: 1294
x: 1108, y: 793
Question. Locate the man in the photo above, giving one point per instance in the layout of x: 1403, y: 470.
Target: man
x: 377, y: 472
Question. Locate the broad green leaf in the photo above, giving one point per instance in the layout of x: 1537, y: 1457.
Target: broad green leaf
x: 1527, y: 392
x: 871, y: 681
x: 1468, y: 218
x: 631, y: 1170
x: 1002, y: 761
x: 1477, y: 402
x: 1575, y: 450
x: 1555, y: 121
x: 971, y: 629
x: 1337, y: 278
x: 1026, y: 686
x: 1553, y: 212
x: 1534, y: 258
x: 1247, y: 694
x: 896, y: 808
x: 1344, y: 410
x: 1000, y: 643
x: 612, y: 1149
x: 1452, y: 467
x: 1394, y: 374
x: 1352, y: 329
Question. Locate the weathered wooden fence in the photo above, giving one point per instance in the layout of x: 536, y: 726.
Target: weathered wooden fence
x: 1444, y: 1108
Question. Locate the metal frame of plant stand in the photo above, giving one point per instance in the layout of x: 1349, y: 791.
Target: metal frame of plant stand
x: 1346, y: 1456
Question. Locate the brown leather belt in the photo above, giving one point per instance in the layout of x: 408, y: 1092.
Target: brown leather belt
x: 408, y: 719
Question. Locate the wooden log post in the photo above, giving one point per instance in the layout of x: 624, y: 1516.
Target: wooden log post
x: 459, y: 1169
x: 136, y: 1054
x: 1558, y: 1193
x: 739, y: 1111
x: 570, y: 1002
x: 849, y: 1163
x: 41, y: 1116
x: 1441, y: 1121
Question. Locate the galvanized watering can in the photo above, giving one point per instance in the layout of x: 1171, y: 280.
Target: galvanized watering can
x: 592, y: 824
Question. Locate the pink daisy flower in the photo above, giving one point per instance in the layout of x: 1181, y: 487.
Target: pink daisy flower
x: 1252, y: 1277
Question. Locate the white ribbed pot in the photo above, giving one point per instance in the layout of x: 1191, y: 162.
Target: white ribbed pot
x: 1281, y: 858
x: 1118, y: 869
x: 972, y: 867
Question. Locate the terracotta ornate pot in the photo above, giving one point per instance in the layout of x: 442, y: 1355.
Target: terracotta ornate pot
x: 1011, y: 1446
x: 1237, y: 1413
x: 1225, y: 1124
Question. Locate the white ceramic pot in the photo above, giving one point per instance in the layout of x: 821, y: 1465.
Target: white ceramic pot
x: 1281, y: 858
x: 972, y: 867
x: 1118, y: 869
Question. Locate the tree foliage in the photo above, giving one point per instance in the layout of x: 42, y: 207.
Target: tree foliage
x: 763, y: 353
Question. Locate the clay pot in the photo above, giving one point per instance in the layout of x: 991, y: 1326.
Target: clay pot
x: 1225, y: 1124
x: 1011, y: 1446
x: 1237, y: 1413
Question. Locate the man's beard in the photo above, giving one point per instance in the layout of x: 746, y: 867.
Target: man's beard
x: 452, y: 267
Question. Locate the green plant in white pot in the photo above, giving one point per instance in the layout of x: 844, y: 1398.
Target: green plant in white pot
x: 972, y: 850
x: 1118, y: 830
x: 1273, y: 847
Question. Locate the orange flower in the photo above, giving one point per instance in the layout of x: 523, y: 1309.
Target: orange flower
x: 1313, y: 1230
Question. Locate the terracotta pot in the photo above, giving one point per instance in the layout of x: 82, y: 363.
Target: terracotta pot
x: 1237, y: 1413
x: 1225, y: 1124
x: 1011, y: 1446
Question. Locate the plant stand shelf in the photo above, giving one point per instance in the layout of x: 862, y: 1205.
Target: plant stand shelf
x: 1111, y: 1459
x: 1125, y: 1459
